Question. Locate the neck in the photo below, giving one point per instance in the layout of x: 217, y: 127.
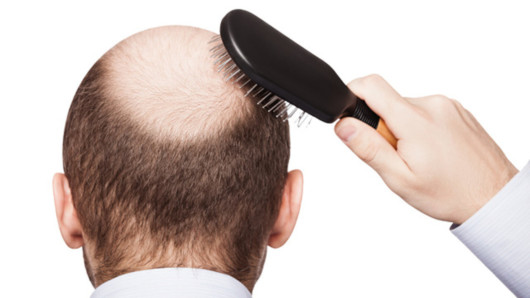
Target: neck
x: 99, y: 272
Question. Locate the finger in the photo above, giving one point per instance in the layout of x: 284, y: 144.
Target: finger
x: 372, y: 148
x: 415, y: 100
x: 382, y: 99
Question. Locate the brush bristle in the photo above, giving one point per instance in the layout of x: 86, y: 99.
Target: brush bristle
x: 266, y: 99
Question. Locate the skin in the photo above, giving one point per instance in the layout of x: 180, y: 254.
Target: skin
x: 445, y: 164
x: 172, y: 63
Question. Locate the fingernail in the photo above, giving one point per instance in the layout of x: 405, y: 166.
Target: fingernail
x: 345, y: 132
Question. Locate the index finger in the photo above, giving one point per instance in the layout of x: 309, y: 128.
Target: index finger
x: 383, y: 100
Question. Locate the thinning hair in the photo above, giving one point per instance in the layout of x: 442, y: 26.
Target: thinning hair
x: 168, y: 164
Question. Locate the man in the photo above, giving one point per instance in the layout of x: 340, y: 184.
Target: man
x: 168, y: 166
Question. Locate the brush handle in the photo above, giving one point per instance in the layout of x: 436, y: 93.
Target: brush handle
x: 362, y: 112
x: 383, y: 130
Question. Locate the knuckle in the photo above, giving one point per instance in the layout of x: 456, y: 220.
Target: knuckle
x: 411, y: 189
x: 367, y: 152
x: 405, y: 188
x: 457, y: 104
x: 438, y: 98
x: 440, y: 101
x: 367, y: 81
x: 414, y: 184
x: 405, y: 185
x: 368, y: 156
x: 373, y: 79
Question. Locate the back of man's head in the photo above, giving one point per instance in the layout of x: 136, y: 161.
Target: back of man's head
x: 168, y: 164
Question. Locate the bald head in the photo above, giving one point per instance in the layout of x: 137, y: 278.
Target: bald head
x: 169, y: 165
x: 167, y: 73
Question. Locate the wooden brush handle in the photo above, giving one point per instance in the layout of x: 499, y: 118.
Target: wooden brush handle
x: 383, y: 130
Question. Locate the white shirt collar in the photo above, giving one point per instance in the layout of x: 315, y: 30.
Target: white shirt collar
x: 172, y: 282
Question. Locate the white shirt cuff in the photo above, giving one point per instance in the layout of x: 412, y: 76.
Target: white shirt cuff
x: 499, y: 234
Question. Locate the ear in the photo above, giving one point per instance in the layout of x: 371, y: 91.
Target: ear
x: 69, y: 224
x: 289, y: 209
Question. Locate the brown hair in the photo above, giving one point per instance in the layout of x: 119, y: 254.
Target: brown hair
x: 142, y: 199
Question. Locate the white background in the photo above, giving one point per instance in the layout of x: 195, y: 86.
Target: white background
x: 354, y: 238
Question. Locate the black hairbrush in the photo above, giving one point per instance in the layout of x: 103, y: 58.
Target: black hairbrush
x: 283, y: 76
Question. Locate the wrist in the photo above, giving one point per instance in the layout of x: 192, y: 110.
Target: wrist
x: 478, y: 202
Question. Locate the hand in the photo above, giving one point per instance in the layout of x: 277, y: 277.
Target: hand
x: 445, y: 165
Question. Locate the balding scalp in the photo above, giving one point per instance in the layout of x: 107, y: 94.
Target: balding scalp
x: 164, y: 78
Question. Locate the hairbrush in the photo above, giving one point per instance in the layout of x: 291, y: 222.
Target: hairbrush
x: 284, y: 77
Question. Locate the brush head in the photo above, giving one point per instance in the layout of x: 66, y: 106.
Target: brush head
x: 274, y: 68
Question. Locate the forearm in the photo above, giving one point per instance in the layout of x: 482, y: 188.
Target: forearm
x: 499, y: 234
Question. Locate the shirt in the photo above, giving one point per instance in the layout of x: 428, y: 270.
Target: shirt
x: 172, y: 282
x: 499, y: 234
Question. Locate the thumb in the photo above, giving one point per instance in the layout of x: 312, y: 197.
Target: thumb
x: 371, y: 147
